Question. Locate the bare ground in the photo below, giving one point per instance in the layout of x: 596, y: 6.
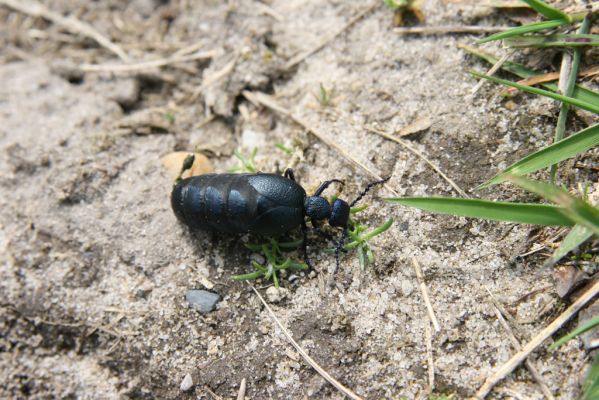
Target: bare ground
x: 94, y: 266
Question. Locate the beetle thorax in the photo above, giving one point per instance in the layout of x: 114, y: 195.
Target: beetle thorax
x: 317, y: 208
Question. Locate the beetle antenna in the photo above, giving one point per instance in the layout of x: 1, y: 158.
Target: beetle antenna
x: 368, y: 187
x: 325, y: 185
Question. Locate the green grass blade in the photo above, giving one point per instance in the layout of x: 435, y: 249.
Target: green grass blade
x: 577, y: 236
x: 569, y: 100
x: 546, y: 10
x: 578, y: 331
x: 568, y: 90
x: 529, y: 28
x: 559, y: 40
x: 581, y: 93
x: 562, y: 150
x: 575, y: 209
x: 537, y: 214
x: 591, y: 382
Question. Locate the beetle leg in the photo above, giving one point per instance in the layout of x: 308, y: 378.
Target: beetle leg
x: 368, y: 187
x: 326, y: 235
x: 305, y: 246
x: 289, y: 174
x: 325, y: 185
x: 339, y: 248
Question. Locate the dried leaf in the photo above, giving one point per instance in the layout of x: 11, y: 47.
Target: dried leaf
x: 418, y: 125
x: 567, y: 279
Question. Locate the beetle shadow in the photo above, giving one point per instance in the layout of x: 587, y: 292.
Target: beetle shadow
x: 219, y: 250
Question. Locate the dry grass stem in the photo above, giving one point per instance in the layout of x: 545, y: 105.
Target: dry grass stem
x: 492, y: 70
x: 192, y: 48
x: 429, y: 356
x: 436, y: 30
x: 265, y: 9
x: 419, y: 154
x: 261, y: 99
x: 211, y: 393
x: 424, y: 290
x: 215, y: 77
x: 305, y: 355
x: 139, y: 66
x: 72, y: 24
x: 327, y: 38
x: 508, y: 367
x: 538, y: 377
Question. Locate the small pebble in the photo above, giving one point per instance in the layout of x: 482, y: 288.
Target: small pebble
x: 406, y: 287
x: 275, y: 295
x: 186, y: 384
x: 202, y: 300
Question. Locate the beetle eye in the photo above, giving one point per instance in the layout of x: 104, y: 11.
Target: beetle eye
x: 339, y: 213
x: 317, y: 207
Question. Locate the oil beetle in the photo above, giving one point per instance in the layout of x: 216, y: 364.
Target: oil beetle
x: 260, y: 204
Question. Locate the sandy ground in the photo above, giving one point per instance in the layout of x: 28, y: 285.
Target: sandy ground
x: 94, y: 266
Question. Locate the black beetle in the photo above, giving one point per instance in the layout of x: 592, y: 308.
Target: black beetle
x: 258, y: 203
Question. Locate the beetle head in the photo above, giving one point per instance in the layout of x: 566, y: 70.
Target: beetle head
x: 339, y: 213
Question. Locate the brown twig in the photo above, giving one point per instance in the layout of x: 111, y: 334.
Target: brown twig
x: 419, y: 154
x: 305, y: 355
x: 424, y: 290
x: 36, y: 9
x: 327, y: 38
x: 261, y: 99
x: 538, y: 377
x: 508, y: 367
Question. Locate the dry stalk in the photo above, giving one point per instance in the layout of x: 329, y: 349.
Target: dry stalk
x: 139, y: 66
x: 520, y: 356
x: 72, y: 24
x: 492, y: 70
x: 305, y: 355
x: 262, y: 99
x: 420, y: 155
x: 424, y: 290
x: 327, y: 38
x: 538, y: 377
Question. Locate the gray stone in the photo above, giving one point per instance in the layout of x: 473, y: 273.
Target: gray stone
x: 202, y: 300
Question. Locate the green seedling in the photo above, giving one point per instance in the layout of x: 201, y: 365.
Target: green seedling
x: 170, y: 117
x: 247, y: 164
x: 275, y: 261
x: 360, y: 239
x: 283, y: 148
x: 323, y: 97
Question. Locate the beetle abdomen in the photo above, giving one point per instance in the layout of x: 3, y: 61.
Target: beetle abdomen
x: 263, y: 204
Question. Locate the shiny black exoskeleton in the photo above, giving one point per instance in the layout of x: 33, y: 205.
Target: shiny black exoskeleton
x: 257, y: 203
